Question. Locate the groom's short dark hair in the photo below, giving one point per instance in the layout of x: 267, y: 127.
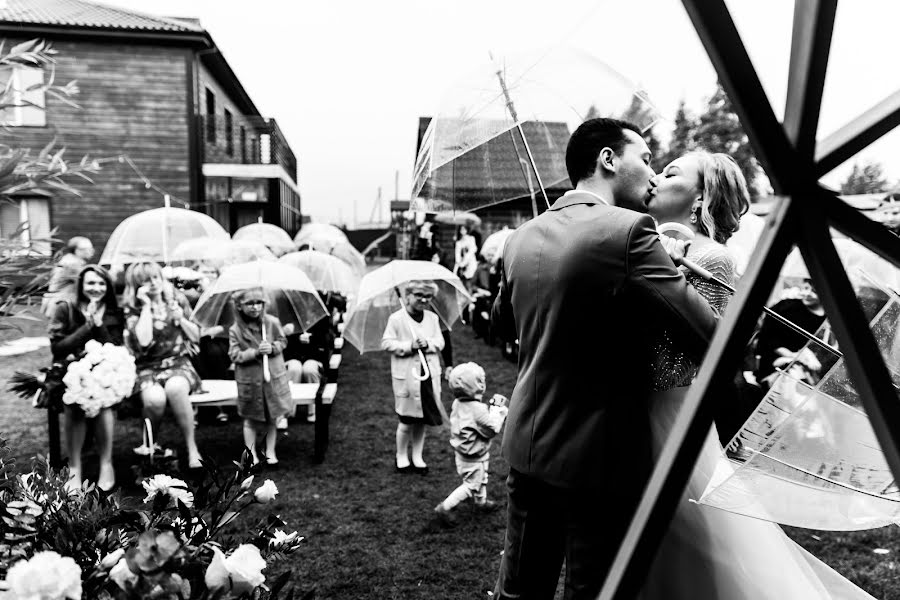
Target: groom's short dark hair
x: 589, y: 139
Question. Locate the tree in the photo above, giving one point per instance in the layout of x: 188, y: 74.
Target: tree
x: 682, y: 140
x: 868, y: 178
x: 24, y: 270
x: 719, y: 130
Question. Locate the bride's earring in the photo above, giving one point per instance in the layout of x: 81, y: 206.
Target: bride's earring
x: 693, y: 218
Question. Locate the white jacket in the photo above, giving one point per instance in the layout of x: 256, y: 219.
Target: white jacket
x: 398, y: 338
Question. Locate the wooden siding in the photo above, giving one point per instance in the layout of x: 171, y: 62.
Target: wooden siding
x: 133, y: 100
x: 214, y: 152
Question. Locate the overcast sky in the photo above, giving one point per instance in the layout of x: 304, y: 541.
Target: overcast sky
x: 348, y: 80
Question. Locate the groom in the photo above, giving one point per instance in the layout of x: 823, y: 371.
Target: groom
x: 583, y: 284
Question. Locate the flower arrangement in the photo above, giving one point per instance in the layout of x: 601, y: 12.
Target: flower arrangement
x: 180, y: 542
x: 100, y: 379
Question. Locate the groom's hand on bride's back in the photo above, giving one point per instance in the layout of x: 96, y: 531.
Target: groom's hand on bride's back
x: 675, y: 248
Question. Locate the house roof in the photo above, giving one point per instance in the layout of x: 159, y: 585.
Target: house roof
x: 492, y: 173
x: 82, y: 19
x: 78, y: 13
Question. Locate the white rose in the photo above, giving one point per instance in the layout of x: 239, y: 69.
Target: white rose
x: 46, y: 576
x: 122, y: 575
x: 266, y: 492
x: 239, y: 573
x: 111, y: 559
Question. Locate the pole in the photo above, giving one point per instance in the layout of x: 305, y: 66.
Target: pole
x: 165, y: 229
x: 512, y: 113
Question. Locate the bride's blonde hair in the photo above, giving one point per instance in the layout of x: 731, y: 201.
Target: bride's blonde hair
x: 724, y: 195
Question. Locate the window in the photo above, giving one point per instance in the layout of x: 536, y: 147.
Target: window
x: 27, y: 96
x: 210, y: 116
x: 229, y: 133
x: 31, y: 216
x: 265, y: 149
x: 243, y: 144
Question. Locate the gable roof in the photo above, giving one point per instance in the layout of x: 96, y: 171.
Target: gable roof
x: 78, y: 13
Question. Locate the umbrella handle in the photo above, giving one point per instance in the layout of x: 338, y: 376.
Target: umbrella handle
x: 267, y: 375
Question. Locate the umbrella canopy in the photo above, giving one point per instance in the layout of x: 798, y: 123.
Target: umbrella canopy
x: 271, y: 236
x: 319, y: 232
x: 220, y: 253
x: 292, y: 296
x: 808, y: 456
x: 327, y: 273
x: 744, y: 240
x: 343, y: 251
x: 458, y: 218
x: 378, y: 299
x: 154, y: 234
x: 492, y: 248
x: 860, y: 263
x: 501, y: 133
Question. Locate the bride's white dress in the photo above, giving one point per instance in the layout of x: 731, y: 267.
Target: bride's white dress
x: 708, y: 553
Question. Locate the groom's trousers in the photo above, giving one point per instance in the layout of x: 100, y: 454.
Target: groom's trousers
x: 547, y: 524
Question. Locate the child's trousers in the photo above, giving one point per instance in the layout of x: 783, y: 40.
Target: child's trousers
x: 474, y: 485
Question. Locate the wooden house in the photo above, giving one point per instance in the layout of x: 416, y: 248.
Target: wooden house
x: 158, y: 91
x: 491, y: 177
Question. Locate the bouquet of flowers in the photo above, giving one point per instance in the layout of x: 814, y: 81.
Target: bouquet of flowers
x: 103, y: 376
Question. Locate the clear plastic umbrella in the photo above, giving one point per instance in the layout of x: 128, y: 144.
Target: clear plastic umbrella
x: 327, y: 273
x: 501, y: 133
x: 492, y: 248
x: 343, y: 251
x: 379, y: 297
x: 860, y: 262
x: 319, y: 232
x: 458, y: 218
x: 292, y: 296
x: 220, y: 253
x: 271, y: 236
x: 808, y: 456
x: 154, y: 234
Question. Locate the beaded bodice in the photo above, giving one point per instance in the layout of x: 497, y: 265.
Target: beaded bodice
x: 670, y: 366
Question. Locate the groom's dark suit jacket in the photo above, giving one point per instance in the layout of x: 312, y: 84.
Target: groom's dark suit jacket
x: 585, y: 285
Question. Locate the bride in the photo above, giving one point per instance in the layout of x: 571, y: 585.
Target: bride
x: 709, y: 553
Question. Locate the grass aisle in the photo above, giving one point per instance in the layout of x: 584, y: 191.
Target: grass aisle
x: 370, y: 531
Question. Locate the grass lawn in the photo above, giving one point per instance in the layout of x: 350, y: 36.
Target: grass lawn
x: 370, y: 532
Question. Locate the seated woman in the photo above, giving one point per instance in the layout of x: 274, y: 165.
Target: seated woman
x: 307, y: 355
x: 94, y: 314
x: 158, y: 332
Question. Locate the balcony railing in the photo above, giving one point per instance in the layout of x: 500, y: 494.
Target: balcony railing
x: 243, y: 139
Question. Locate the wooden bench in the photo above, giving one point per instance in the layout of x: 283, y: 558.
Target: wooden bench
x: 222, y: 392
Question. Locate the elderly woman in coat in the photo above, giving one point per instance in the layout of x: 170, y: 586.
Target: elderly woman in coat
x: 414, y: 333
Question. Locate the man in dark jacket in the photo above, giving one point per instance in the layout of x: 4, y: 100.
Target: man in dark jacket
x: 582, y: 283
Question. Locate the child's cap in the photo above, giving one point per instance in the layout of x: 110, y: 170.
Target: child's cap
x: 467, y: 380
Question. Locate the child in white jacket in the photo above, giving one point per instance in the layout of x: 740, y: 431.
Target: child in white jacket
x: 473, y: 424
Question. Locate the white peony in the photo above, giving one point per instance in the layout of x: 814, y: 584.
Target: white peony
x: 45, y: 576
x: 266, y: 492
x: 239, y: 573
x: 281, y: 538
x: 176, y: 489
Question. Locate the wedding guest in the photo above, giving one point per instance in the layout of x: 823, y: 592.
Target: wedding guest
x: 262, y: 400
x: 413, y: 332
x: 93, y: 314
x: 466, y: 255
x: 473, y: 424
x: 158, y: 333
x: 76, y: 254
x: 307, y: 355
x: 777, y: 345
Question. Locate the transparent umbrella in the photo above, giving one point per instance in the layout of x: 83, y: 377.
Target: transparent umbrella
x: 292, y: 296
x: 379, y: 297
x: 860, y: 262
x: 320, y: 233
x: 343, y: 251
x: 154, y: 234
x: 501, y: 133
x: 220, y: 253
x: 327, y: 273
x: 808, y: 456
x: 271, y: 236
x: 492, y: 248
